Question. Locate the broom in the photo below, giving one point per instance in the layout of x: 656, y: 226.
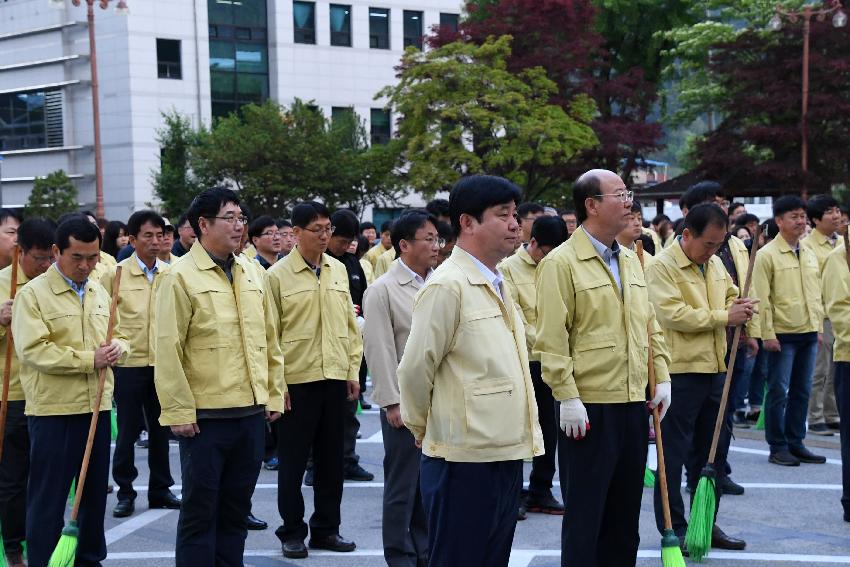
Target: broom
x: 701, y: 523
x: 66, y: 548
x: 7, y: 374
x: 671, y: 553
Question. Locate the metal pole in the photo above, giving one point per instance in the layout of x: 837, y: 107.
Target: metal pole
x: 1, y: 181
x: 98, y: 157
x: 804, y: 127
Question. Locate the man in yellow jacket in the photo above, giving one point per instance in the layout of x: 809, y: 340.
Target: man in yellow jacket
x: 594, y: 326
x: 787, y: 283
x: 135, y: 394
x: 466, y: 392
x: 322, y: 348
x: 695, y: 301
x: 520, y: 269
x: 59, y: 325
x: 219, y: 378
x: 836, y: 297
x: 35, y: 237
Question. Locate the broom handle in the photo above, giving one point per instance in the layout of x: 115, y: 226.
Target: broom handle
x: 736, y: 338
x: 656, y: 419
x: 101, y: 381
x: 847, y: 249
x: 7, y: 368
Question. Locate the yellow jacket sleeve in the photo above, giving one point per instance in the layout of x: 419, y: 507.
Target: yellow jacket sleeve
x: 763, y: 282
x: 555, y: 298
x: 276, y: 381
x: 436, y: 316
x: 836, y: 298
x: 173, y: 314
x: 530, y: 330
x: 671, y: 308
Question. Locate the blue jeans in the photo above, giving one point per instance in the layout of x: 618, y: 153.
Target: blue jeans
x: 789, y: 386
x: 758, y: 377
x: 744, y: 364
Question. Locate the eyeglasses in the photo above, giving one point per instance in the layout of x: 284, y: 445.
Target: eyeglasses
x: 231, y: 219
x: 440, y: 242
x: 321, y: 230
x: 271, y: 234
x: 624, y: 196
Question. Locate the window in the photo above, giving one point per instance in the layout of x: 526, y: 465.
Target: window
x: 413, y: 29
x: 304, y: 14
x: 449, y: 21
x: 341, y: 113
x: 379, y: 28
x: 380, y: 130
x: 340, y: 25
x: 239, y: 68
x: 168, y: 58
x: 31, y: 120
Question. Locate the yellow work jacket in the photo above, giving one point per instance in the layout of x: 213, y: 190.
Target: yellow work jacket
x: 820, y: 247
x: 591, y: 337
x: 16, y: 392
x: 104, y: 263
x: 741, y: 258
x: 692, y: 308
x: 519, y: 271
x: 788, y: 289
x: 55, y: 338
x: 368, y: 270
x: 656, y: 240
x: 216, y: 341
x: 373, y: 253
x: 464, y: 381
x: 836, y: 298
x: 136, y: 305
x: 382, y: 264
x: 318, y: 328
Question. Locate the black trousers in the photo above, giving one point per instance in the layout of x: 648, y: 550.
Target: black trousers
x: 842, y: 398
x: 543, y: 466
x: 605, y: 472
x: 471, y: 510
x: 352, y: 426
x: 220, y: 468
x: 57, y: 445
x: 404, y: 528
x: 137, y: 403
x: 687, y: 429
x: 14, y: 471
x: 317, y: 421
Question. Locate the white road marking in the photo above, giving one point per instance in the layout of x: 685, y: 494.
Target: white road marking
x: 376, y: 438
x: 124, y: 529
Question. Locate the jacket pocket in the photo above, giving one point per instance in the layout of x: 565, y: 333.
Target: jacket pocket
x: 493, y: 414
x: 593, y: 359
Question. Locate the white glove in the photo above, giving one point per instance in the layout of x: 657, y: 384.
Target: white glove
x: 663, y: 398
x: 574, y: 421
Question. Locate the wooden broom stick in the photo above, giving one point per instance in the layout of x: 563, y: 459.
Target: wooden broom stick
x: 10, y: 349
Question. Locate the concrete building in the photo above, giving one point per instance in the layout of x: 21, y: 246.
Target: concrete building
x: 202, y: 58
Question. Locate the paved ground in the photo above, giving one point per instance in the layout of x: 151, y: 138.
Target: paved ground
x: 789, y: 516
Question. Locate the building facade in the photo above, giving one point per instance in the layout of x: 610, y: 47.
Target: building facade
x: 202, y: 58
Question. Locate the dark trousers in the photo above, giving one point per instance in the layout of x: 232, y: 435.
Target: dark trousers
x: 137, y: 403
x: 14, y: 471
x: 687, y: 429
x: 471, y: 510
x: 842, y: 397
x: 404, y: 528
x: 758, y: 378
x: 605, y: 472
x: 543, y: 466
x: 352, y: 426
x: 789, y: 386
x: 317, y: 421
x: 57, y: 445
x: 220, y: 468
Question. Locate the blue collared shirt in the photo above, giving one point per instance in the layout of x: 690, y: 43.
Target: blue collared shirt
x: 149, y: 273
x: 609, y: 255
x: 494, y: 278
x: 80, y: 290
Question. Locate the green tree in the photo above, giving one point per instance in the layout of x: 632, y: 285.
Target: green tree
x: 174, y: 183
x: 465, y: 112
x: 279, y: 156
x: 52, y: 197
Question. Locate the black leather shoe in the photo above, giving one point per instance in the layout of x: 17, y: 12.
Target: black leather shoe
x: 168, y: 502
x: 731, y: 487
x: 783, y: 458
x: 332, y: 543
x: 358, y: 473
x: 364, y: 404
x: 821, y: 429
x: 254, y: 523
x: 308, y: 477
x: 522, y: 513
x: 544, y: 504
x: 123, y: 509
x: 847, y: 516
x: 720, y: 540
x: 807, y: 456
x: 294, y: 549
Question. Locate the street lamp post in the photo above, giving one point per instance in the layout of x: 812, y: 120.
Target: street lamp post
x: 120, y: 8
x: 839, y: 20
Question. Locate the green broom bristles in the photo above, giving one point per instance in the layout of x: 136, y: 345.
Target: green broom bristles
x: 73, y: 492
x: 671, y: 553
x: 113, y: 419
x: 2, y: 550
x: 66, y: 548
x: 648, y: 477
x: 698, y: 537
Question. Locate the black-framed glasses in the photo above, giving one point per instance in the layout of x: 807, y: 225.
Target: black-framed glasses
x: 271, y: 233
x: 230, y: 219
x: 321, y: 230
x: 440, y: 242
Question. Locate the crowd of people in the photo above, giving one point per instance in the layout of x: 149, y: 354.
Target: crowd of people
x: 495, y: 331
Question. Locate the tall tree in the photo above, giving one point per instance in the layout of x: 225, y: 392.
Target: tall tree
x: 465, y: 111
x: 175, y: 184
x: 52, y: 196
